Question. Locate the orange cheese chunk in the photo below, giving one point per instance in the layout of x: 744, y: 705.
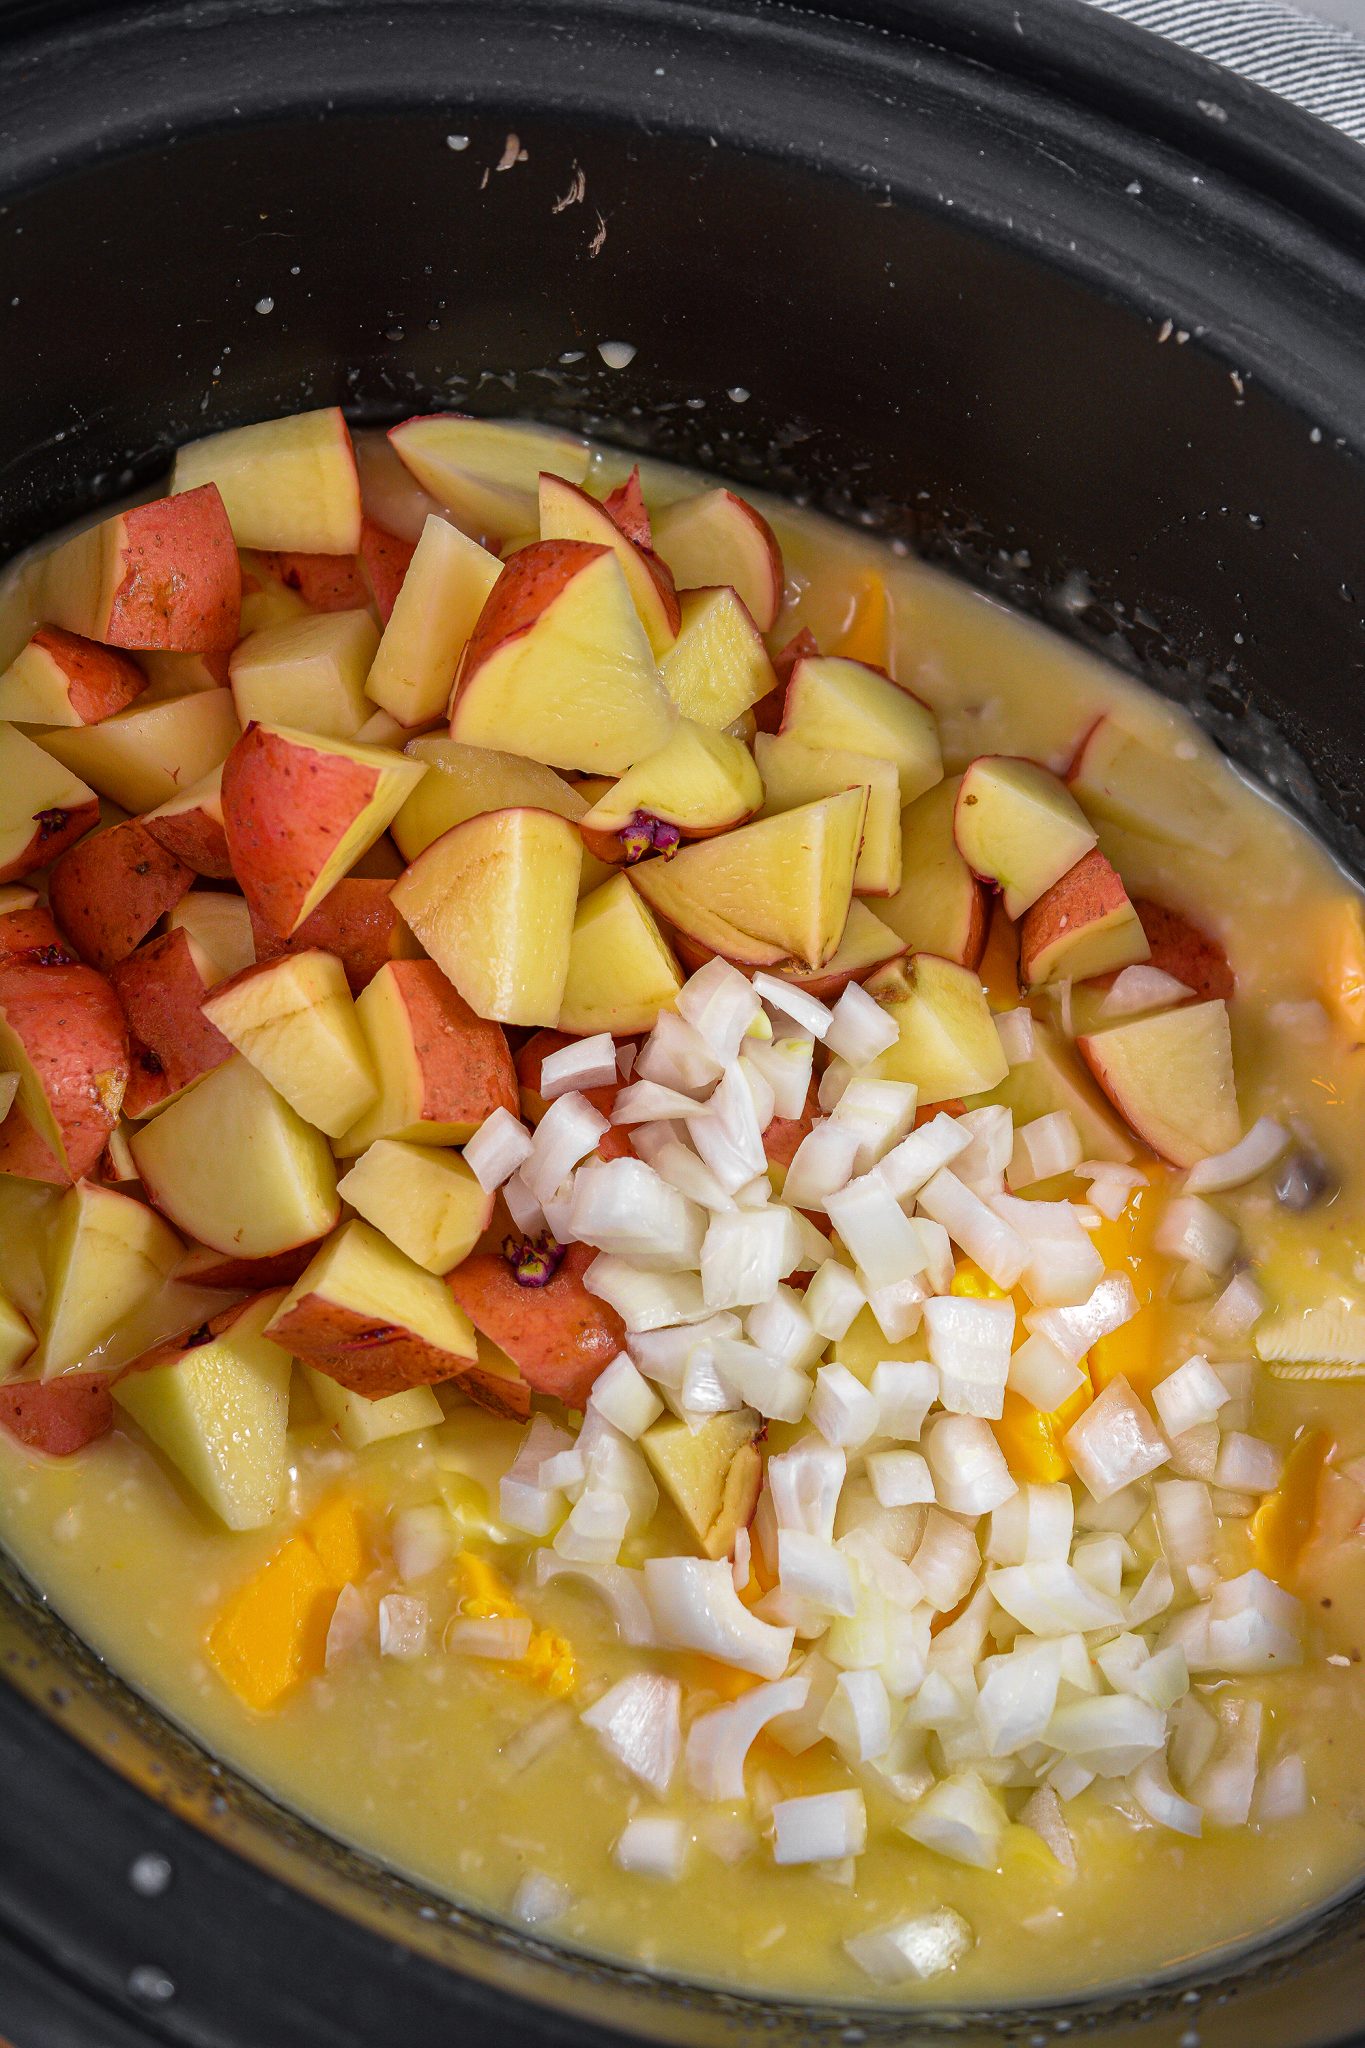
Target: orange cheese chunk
x: 1282, y: 1526
x: 867, y: 636
x: 1031, y: 1438
x: 272, y: 1632
x: 1125, y: 1244
x: 485, y: 1595
x: 1342, y: 953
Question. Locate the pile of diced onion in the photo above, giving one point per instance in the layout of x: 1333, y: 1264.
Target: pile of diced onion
x: 1068, y: 1661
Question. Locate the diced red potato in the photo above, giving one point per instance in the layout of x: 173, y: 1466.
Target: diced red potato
x: 626, y: 506
x: 191, y: 827
x: 204, y: 1267
x: 58, y: 1416
x: 384, y: 557
x: 560, y: 1336
x: 356, y: 921
x: 162, y: 991
x: 615, y: 1143
x: 34, y: 838
x: 31, y: 937
x: 67, y: 1024
x: 768, y: 710
x: 327, y: 583
x: 63, y: 678
x: 108, y: 892
x: 1181, y: 949
x: 163, y: 575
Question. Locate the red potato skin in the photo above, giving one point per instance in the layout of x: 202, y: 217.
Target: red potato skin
x: 58, y: 1416
x: 327, y: 583
x: 1182, y: 949
x: 615, y: 1143
x: 356, y: 921
x: 204, y: 1267
x: 99, y: 680
x: 285, y: 807
x: 365, y: 1357
x: 1085, y: 893
x: 72, y: 1029
x: 768, y: 710
x: 825, y: 987
x: 29, y: 937
x: 499, y: 1394
x: 109, y: 891
x: 54, y: 832
x: 182, y: 582
x: 559, y: 1336
x: 464, y: 1060
x: 659, y: 572
x: 197, y: 838
x: 626, y: 508
x: 384, y: 557
x: 172, y: 1349
x: 530, y: 582
x: 171, y: 1041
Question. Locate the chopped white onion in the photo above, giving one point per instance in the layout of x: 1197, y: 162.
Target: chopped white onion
x: 625, y: 1058
x: 645, y: 1300
x: 351, y: 1625
x: 652, y: 1845
x: 1048, y: 1146
x: 962, y: 1818
x: 497, y: 1149
x: 820, y: 1828
x: 1248, y: 1464
x: 649, y: 1102
x: 999, y: 1251
x: 857, y: 1716
x: 745, y: 1255
x: 897, y: 1307
x: 1108, y: 1733
x: 1152, y: 1597
x: 539, y: 1900
x: 624, y: 1208
x: 804, y: 1484
x: 422, y: 1538
x: 1260, y: 1148
x: 786, y: 1064
x: 1063, y: 1266
x: 833, y: 1082
x: 913, y: 1950
x: 969, y: 1343
x: 1073, y: 1330
x: 803, y: 1009
x: 920, y: 1156
x: 1191, y: 1229
x: 581, y: 1064
x: 822, y: 1164
x: 1018, y: 1696
x: 1253, y: 1625
x: 727, y: 1134
x: 860, y: 1028
x: 1042, y: 1812
x: 814, y: 1574
x: 501, y: 1639
x: 1114, y: 1441
x: 568, y: 1131
x: 1016, y: 1034
x: 843, y: 1410
x: 1282, y: 1792
x: 679, y: 1165
x: 991, y: 1133
x: 1042, y: 1375
x: 781, y: 1327
x: 403, y: 1623
x: 695, y: 1607
x: 720, y: 1005
x: 523, y: 1207
x: 621, y: 1588
x: 627, y: 1400
x: 1226, y: 1786
x: 1190, y: 1395
x: 882, y: 1113
x: 1151, y: 1786
x: 1050, y: 1598
x: 900, y: 1479
x: 719, y: 1742
x: 678, y: 1057
x: 1142, y: 988
x: 970, y: 1473
x: 1237, y: 1310
x: 833, y: 1299
x: 1033, y: 1526
x: 595, y: 1529
x: 639, y: 1723
x: 779, y: 1392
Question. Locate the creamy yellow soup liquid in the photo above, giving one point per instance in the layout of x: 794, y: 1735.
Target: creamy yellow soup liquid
x: 467, y: 1778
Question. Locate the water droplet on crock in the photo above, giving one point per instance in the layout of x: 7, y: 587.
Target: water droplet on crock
x: 266, y: 305
x: 617, y: 355
x: 150, y: 1984
x: 457, y: 142
x: 738, y: 394
x: 1256, y: 520
x: 150, y: 1875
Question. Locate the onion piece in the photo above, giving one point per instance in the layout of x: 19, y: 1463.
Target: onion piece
x: 1151, y: 1786
x: 804, y: 1484
x: 721, y: 1006
x: 1048, y: 1146
x: 1042, y: 1375
x: 662, y: 1354
x: 352, y: 1623
x: 568, y: 1131
x: 969, y: 1344
x: 781, y: 1327
x: 1015, y: 1028
x: 991, y: 1142
x: 1050, y: 1598
x: 719, y: 1742
x: 1191, y: 1229
x: 1152, y: 1597
x: 882, y: 1112
x: 900, y: 1479
x: 639, y: 1723
x: 913, y: 1950
x: 1248, y: 1464
x: 813, y: 1574
x: 1226, y: 1786
x: 786, y: 1064
x: 726, y: 1132
x: 421, y: 1538
x: 627, y: 1400
x: 502, y: 1639
x: 645, y: 1301
x: 678, y: 1057
x: 857, y: 1717
x: 920, y: 1156
x: 695, y: 1607
x: 904, y: 1390
x: 859, y: 1028
x: 1253, y: 1626
x: 744, y: 1256
x: 1142, y: 988
x: 1237, y: 1310
x: 843, y: 1410
x: 540, y: 1900
x: 403, y: 1624
x: 1260, y: 1148
x: 1018, y: 1696
x: 833, y: 1299
x: 523, y: 1208
x: 619, y: 1586
x: 1114, y: 1441
x: 1034, y: 1526
x: 821, y: 1828
x: 1110, y: 1734
x: 1063, y: 1266
x: 803, y: 1009
x: 595, y: 1529
x: 999, y: 1251
x: 1282, y: 1791
x: 497, y: 1149
x: 823, y: 1163
x: 970, y: 1473
x: 1043, y: 1813
x: 582, y: 1064
x: 960, y: 1817
x: 649, y: 1102
x: 679, y: 1165
x: 627, y: 1210
x: 1073, y: 1330
x: 652, y: 1845
x: 1189, y: 1396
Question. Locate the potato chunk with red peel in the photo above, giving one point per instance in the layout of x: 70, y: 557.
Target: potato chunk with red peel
x: 834, y: 702
x: 712, y: 1475
x: 698, y: 930
x: 867, y: 944
x: 163, y: 575
x: 464, y: 782
x: 1180, y: 948
x: 718, y: 666
x: 948, y: 1042
x: 44, y: 808
x: 559, y: 666
x: 385, y: 558
x: 60, y: 678
x: 61, y: 1416
x: 1082, y: 926
x: 447, y: 584
x: 215, y: 1402
x: 28, y: 937
x: 108, y: 1254
x: 204, y: 1267
x: 786, y: 880
x: 109, y: 891
x: 423, y: 1198
x: 442, y: 1068
x: 299, y: 811
x: 326, y: 583
x: 172, y: 1042
x: 191, y: 827
x: 493, y: 901
x: 940, y: 906
x: 220, y: 925
x: 719, y: 537
x: 487, y: 472
x: 1171, y: 1079
x: 568, y: 513
x: 372, y: 1319
x: 62, y: 1031
x: 794, y: 773
x: 627, y: 507
x: 557, y: 1334
x: 702, y: 781
x: 1016, y: 824
x: 289, y: 483
x: 356, y: 921
x: 294, y: 1019
x: 1149, y: 791
x: 144, y: 756
x: 621, y: 972
x: 233, y: 1166
x: 307, y: 673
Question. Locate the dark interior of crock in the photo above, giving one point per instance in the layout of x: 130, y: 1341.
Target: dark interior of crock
x: 992, y: 282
